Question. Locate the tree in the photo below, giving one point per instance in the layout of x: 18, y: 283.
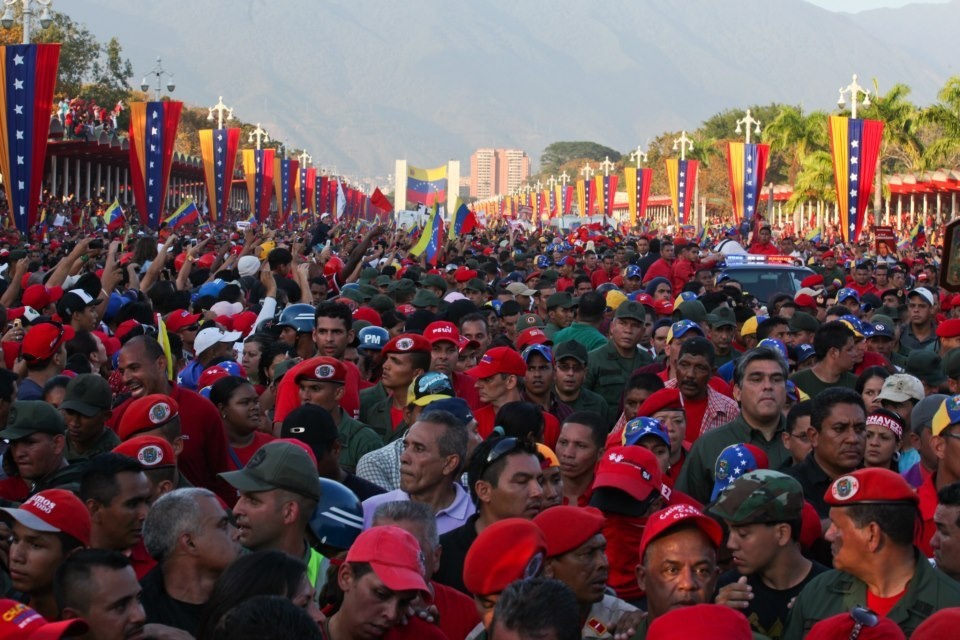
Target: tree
x: 815, y: 181
x: 900, y: 145
x: 944, y: 118
x: 79, y: 52
x: 111, y: 74
x: 796, y: 134
x: 559, y: 153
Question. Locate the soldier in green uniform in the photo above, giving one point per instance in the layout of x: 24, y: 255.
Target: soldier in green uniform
x: 611, y: 365
x: 873, y: 513
x: 36, y: 431
x: 570, y: 362
x: 86, y: 409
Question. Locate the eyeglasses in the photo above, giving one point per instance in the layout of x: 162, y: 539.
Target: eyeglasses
x: 576, y: 368
x: 802, y: 437
x: 862, y: 617
x: 950, y: 435
x: 192, y: 327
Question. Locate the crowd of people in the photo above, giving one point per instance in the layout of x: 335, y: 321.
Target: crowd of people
x: 81, y: 117
x: 218, y: 433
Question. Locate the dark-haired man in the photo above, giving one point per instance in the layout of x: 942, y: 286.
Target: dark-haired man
x: 873, y: 513
x: 835, y: 346
x: 382, y: 406
x: 705, y: 408
x: 585, y: 329
x: 612, y: 364
x: 101, y: 587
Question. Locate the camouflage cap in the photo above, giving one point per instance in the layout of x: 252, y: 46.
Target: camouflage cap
x: 761, y: 496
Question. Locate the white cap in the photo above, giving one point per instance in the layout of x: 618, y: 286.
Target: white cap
x: 210, y: 336
x: 224, y: 308
x: 248, y: 266
x: 924, y: 293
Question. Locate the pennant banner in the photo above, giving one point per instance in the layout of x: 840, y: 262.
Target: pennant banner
x: 153, y: 133
x: 854, y: 145
x: 218, y: 148
x: 682, y: 178
x: 747, y: 164
x: 638, y: 192
x: 606, y: 192
x: 319, y: 190
x: 258, y: 172
x: 285, y: 176
x: 305, y: 194
x: 28, y: 74
x: 586, y: 197
x: 426, y: 186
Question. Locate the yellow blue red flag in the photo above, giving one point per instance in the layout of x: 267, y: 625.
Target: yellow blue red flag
x: 854, y: 145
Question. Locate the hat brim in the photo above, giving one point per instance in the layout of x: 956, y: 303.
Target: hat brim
x: 399, y: 578
x: 59, y: 629
x: 425, y: 400
x: 30, y: 520
x: 84, y: 409
x: 12, y: 434
x: 241, y: 480
x: 635, y: 487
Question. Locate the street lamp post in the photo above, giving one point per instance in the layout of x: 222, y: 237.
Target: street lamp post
x: 748, y: 121
x: 159, y: 72
x: 854, y: 89
x: 220, y: 108
x: 46, y: 19
x: 305, y: 159
x: 587, y: 172
x: 258, y: 135
x: 639, y: 155
x: 684, y: 144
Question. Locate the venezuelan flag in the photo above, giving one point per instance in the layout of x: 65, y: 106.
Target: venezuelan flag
x: 747, y: 164
x: 431, y: 238
x: 187, y: 212
x: 917, y: 235
x: 113, y: 216
x: 464, y: 221
x: 427, y: 186
x: 854, y: 145
x: 682, y: 178
x: 813, y: 235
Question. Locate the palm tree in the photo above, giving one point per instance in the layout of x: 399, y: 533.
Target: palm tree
x: 944, y: 150
x: 797, y: 134
x: 814, y: 181
x: 900, y: 146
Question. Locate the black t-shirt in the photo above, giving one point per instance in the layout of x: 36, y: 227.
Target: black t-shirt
x: 162, y: 609
x: 768, y: 610
x: 363, y: 489
x: 456, y: 543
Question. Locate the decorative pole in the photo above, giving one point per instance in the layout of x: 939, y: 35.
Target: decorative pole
x: 684, y: 144
x: 854, y: 89
x: 305, y: 158
x: 639, y: 155
x: 220, y: 108
x: 748, y: 120
x: 259, y: 135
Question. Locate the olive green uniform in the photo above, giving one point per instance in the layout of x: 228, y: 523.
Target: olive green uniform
x: 608, y: 372
x: 356, y: 439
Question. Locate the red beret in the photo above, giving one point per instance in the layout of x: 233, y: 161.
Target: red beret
x: 949, y: 328
x: 805, y: 301
x: 150, y: 451
x: 407, y: 343
x: 565, y: 528
x: 462, y: 274
x: 147, y: 413
x: 505, y: 551
x: 812, y: 281
x: 841, y: 626
x: 942, y: 624
x: 873, y: 485
x: 661, y: 400
x: 701, y: 621
x: 679, y: 514
x: 211, y: 375
x: 828, y: 254
x: 322, y: 369
x: 368, y: 314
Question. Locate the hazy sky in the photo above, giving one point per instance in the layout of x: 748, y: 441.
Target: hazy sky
x: 853, y: 6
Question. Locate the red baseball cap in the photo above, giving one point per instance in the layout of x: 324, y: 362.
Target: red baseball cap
x: 671, y: 517
x: 110, y: 343
x: 531, y: 335
x: 442, y: 331
x: 507, y: 550
x: 177, y: 320
x: 407, y: 343
x: 43, y: 340
x: 565, y: 528
x: 39, y: 296
x: 150, y: 451
x: 462, y: 274
x: 147, y: 413
x: 499, y: 360
x: 210, y: 376
x: 406, y: 309
x: 55, y: 511
x: 394, y: 555
x: 465, y: 343
x: 663, y: 307
x: 20, y: 622
x: 633, y: 470
x: 244, y: 321
x: 368, y: 314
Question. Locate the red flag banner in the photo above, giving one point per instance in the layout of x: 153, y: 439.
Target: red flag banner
x: 258, y: 170
x: 682, y: 178
x: 854, y: 145
x: 606, y: 192
x: 638, y: 191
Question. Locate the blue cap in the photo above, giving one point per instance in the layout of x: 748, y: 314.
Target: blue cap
x: 776, y: 345
x: 793, y: 393
x: 543, y: 262
x: 117, y: 301
x: 542, y: 349
x: 211, y: 288
x: 639, y: 428
x: 733, y: 462
x: 681, y: 327
x: 457, y: 406
x: 372, y: 338
x: 805, y: 352
x: 633, y: 271
x: 845, y: 293
x: 881, y: 330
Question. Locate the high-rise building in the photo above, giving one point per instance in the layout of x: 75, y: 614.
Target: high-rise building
x: 497, y: 171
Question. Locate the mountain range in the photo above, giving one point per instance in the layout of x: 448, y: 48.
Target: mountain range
x: 360, y: 83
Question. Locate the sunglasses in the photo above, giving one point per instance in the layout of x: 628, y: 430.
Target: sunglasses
x: 500, y: 449
x: 862, y: 617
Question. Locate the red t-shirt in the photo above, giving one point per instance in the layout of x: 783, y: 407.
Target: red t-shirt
x: 882, y: 606
x: 694, y: 410
x: 243, y: 454
x: 458, y: 613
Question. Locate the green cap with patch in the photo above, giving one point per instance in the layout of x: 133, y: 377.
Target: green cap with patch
x: 758, y: 497
x: 277, y: 465
x: 528, y: 320
x: 28, y: 417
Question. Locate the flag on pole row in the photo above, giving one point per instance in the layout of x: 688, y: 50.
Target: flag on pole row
x: 258, y: 172
x: 284, y: 180
x: 431, y: 238
x: 682, y: 178
x: 638, y: 191
x: 606, y: 192
x: 28, y: 74
x: 747, y: 165
x: 586, y: 197
x: 854, y: 145
x: 153, y: 133
x: 218, y: 149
